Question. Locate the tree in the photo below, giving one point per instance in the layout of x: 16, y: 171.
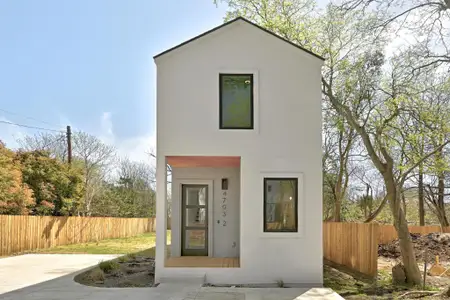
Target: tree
x: 53, y: 143
x: 131, y: 194
x: 432, y: 174
x: 96, y: 159
x: 425, y: 21
x: 387, y: 138
x: 338, y: 144
x: 90, y: 154
x: 57, y: 188
x: 15, y: 196
x: 136, y: 180
x: 375, y: 99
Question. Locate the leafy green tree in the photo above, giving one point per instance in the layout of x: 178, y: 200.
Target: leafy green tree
x: 57, y: 187
x: 373, y: 94
x: 16, y: 197
x: 93, y: 156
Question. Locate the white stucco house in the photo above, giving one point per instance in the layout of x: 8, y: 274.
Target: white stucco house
x: 239, y: 123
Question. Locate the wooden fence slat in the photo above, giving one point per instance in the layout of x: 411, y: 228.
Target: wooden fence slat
x: 355, y: 245
x: 352, y: 245
x: 387, y: 233
x: 25, y: 233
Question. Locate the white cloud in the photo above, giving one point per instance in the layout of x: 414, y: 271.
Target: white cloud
x: 106, y: 123
x: 135, y: 148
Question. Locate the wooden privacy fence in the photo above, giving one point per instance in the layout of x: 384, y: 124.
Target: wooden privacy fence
x: 387, y: 233
x: 355, y: 245
x: 352, y: 245
x: 23, y: 233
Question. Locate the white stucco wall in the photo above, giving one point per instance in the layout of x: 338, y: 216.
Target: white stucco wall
x: 225, y: 235
x: 286, y: 141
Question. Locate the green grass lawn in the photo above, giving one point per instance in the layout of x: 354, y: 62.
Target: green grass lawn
x: 141, y: 243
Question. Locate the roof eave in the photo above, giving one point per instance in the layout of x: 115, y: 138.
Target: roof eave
x: 228, y: 23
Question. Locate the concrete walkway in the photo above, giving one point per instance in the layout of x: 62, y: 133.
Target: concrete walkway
x: 16, y: 272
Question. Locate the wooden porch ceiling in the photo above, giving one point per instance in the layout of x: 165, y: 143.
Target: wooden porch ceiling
x: 204, y: 161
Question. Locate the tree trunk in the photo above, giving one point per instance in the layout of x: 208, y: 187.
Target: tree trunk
x: 367, y: 200
x: 412, y: 271
x: 377, y: 211
x: 421, y: 199
x: 413, y: 275
x: 441, y: 205
x: 338, y: 195
x: 441, y: 192
x: 443, y: 221
x: 337, y: 210
x: 402, y: 193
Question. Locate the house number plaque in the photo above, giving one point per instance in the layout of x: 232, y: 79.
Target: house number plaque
x: 224, y: 208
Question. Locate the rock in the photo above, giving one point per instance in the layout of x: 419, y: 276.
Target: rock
x: 398, y: 274
x: 443, y: 238
x: 447, y: 292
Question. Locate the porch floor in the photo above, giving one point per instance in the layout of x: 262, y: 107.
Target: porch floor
x: 202, y: 262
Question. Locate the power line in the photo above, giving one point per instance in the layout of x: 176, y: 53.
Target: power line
x: 28, y: 126
x: 30, y: 118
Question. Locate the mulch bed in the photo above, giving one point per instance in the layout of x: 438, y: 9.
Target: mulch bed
x: 136, y: 272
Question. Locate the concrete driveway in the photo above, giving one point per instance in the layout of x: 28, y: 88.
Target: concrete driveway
x: 25, y: 270
x: 50, y: 277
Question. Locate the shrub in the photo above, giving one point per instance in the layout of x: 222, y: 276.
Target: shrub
x: 280, y: 283
x: 131, y: 256
x: 123, y: 259
x: 96, y: 275
x: 108, y: 266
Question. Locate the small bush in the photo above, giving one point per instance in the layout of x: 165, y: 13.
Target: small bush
x: 96, y: 275
x: 108, y: 266
x: 123, y: 259
x: 131, y: 256
x: 280, y: 283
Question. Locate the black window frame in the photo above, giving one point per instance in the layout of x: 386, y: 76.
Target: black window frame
x: 252, y: 99
x: 295, y: 179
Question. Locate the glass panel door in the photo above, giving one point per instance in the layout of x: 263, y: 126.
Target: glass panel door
x: 194, y: 209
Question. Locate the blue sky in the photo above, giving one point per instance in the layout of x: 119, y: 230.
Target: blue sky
x: 88, y: 64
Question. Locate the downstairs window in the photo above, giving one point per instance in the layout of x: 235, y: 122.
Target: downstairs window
x: 280, y: 204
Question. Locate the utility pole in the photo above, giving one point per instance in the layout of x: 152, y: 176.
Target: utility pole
x: 69, y: 145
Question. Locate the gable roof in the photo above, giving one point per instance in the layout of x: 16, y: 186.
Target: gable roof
x: 230, y: 22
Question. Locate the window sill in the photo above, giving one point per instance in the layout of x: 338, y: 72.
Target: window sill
x: 281, y: 235
x: 236, y: 128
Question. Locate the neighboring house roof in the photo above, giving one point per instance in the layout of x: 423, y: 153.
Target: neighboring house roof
x: 230, y: 22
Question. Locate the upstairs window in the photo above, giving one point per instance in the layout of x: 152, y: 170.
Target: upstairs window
x: 280, y: 204
x: 236, y: 101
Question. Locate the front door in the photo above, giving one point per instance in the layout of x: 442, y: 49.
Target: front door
x: 194, y: 228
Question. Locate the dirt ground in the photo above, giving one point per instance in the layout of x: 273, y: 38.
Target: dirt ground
x: 426, y: 246
x: 128, y: 271
x: 429, y: 248
x: 439, y: 282
x: 354, y: 288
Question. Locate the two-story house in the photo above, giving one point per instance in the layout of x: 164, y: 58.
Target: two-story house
x: 239, y: 123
